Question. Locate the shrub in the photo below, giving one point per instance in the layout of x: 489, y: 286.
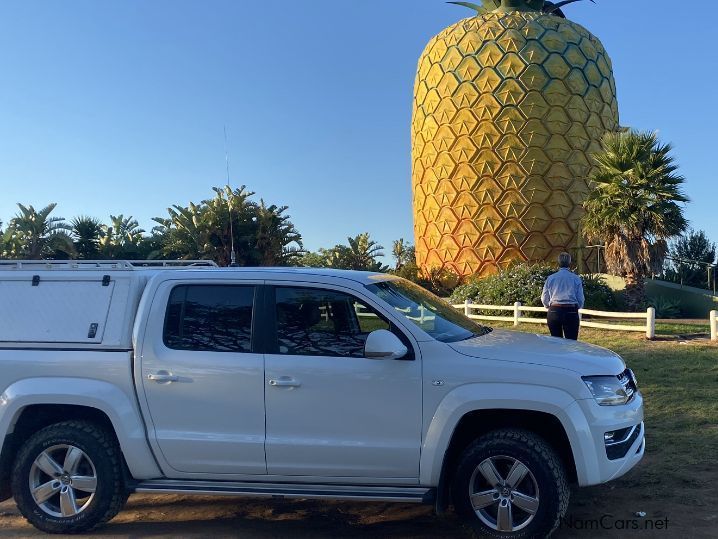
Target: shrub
x: 599, y: 295
x: 440, y: 282
x: 665, y: 307
x: 519, y: 282
x: 524, y: 282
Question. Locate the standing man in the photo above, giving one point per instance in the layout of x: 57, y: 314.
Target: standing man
x: 563, y: 297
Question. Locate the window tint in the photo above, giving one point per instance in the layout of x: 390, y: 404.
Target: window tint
x: 312, y: 322
x: 213, y: 318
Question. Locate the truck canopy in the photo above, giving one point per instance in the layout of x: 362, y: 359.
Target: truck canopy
x: 54, y: 310
x: 56, y: 303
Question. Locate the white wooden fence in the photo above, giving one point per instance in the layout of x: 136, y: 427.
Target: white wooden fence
x: 714, y: 325
x: 648, y: 327
x: 424, y: 313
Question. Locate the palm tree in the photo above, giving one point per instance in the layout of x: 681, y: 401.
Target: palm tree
x: 403, y: 253
x: 318, y: 259
x: 184, y: 233
x: 213, y: 228
x: 634, y: 208
x: 122, y: 237
x: 361, y: 254
x: 34, y: 234
x: 87, y: 232
x: 232, y: 220
x: 278, y: 242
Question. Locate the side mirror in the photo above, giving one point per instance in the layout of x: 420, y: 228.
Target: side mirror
x: 383, y: 344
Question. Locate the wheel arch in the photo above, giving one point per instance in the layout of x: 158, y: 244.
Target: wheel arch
x: 31, y: 404
x: 461, y: 417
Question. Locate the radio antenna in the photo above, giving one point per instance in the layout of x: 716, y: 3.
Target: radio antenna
x: 232, y: 255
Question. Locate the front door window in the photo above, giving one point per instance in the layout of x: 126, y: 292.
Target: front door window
x: 313, y: 322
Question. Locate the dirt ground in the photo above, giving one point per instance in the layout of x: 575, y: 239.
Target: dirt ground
x: 251, y: 518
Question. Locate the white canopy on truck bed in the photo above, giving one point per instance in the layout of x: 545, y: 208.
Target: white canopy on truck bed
x: 54, y: 310
x: 72, y: 302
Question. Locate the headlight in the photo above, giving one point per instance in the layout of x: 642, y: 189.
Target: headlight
x: 610, y: 390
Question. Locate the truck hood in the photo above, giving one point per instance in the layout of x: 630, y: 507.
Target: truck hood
x: 502, y: 345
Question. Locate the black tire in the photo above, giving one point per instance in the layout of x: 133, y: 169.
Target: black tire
x: 547, y: 478
x: 102, y: 450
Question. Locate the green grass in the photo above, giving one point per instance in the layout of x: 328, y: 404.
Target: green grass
x: 681, y: 329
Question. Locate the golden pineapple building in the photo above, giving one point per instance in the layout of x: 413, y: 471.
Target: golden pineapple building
x: 509, y: 107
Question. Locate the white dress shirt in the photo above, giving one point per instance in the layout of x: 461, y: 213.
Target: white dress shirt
x: 563, y: 288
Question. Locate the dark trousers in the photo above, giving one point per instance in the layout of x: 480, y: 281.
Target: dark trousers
x: 563, y: 322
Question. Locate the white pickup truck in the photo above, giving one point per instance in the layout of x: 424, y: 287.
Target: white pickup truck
x: 306, y: 383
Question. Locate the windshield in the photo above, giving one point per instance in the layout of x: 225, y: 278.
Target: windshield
x: 432, y: 314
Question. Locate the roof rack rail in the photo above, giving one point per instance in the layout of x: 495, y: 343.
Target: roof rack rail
x: 172, y: 263
x: 89, y: 265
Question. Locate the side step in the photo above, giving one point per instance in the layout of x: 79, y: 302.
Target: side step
x: 289, y: 490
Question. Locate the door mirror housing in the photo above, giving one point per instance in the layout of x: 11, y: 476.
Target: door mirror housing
x: 383, y: 344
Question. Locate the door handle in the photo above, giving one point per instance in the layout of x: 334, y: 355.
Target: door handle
x: 163, y: 377
x: 284, y: 382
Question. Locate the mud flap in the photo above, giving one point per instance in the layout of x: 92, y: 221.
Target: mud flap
x: 6, y: 459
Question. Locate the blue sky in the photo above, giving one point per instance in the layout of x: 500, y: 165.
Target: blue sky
x: 118, y: 106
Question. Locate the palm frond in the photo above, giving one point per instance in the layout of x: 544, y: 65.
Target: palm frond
x: 550, y: 7
x: 479, y: 8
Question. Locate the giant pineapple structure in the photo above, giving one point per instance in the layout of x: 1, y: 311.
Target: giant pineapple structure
x: 509, y: 107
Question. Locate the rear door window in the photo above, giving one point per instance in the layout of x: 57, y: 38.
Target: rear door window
x: 212, y: 318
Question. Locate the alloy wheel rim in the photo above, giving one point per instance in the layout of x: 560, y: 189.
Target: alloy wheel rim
x: 504, y: 493
x: 63, y: 481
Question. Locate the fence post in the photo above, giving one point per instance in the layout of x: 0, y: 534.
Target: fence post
x: 651, y: 323
x: 467, y: 311
x: 517, y: 312
x: 714, y: 325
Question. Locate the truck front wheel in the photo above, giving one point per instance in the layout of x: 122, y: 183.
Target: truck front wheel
x: 510, y: 484
x: 68, y: 478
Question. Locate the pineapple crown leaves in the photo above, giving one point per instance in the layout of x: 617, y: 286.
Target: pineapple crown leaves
x: 544, y: 6
x: 480, y: 9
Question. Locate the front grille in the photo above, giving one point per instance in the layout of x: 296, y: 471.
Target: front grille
x: 624, y: 440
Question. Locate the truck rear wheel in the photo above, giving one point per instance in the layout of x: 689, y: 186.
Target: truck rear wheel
x: 68, y: 478
x: 510, y: 484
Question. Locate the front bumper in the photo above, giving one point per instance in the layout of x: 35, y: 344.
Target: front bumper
x: 596, y: 462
